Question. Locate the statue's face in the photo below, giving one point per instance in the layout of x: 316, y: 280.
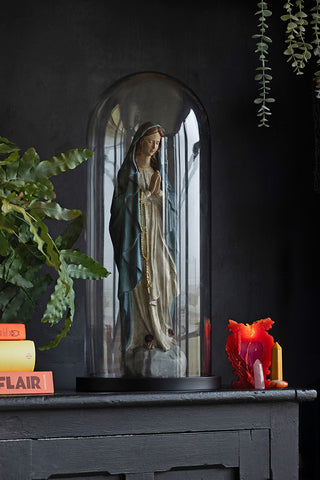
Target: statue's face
x: 150, y: 144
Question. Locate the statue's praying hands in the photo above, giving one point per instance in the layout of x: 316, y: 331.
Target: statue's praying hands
x: 155, y: 182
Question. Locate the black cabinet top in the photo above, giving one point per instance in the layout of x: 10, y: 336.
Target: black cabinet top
x: 75, y: 400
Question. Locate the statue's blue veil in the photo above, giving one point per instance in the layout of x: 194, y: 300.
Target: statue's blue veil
x: 125, y: 227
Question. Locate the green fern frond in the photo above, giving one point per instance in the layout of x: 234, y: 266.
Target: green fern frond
x: 43, y: 240
x: 61, y: 163
x: 26, y: 200
x: 71, y: 234
x: 83, y: 266
x: 53, y: 210
x: 60, y: 305
x: 59, y: 301
x: 61, y: 335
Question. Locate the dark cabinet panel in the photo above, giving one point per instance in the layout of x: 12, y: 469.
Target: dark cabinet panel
x: 211, y: 473
x: 134, y: 454
x: 186, y: 436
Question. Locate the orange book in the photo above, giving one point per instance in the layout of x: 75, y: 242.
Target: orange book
x: 26, y: 383
x: 12, y: 331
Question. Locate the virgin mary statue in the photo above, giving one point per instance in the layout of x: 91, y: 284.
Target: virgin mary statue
x: 142, y: 229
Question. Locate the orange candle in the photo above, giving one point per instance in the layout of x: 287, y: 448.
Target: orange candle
x: 276, y: 368
x: 276, y: 362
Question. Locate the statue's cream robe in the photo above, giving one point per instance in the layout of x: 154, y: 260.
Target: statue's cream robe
x: 151, y: 312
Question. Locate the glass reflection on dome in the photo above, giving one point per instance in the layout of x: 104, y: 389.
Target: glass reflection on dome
x: 184, y: 163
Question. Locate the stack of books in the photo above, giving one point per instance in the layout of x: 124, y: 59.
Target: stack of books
x: 17, y: 363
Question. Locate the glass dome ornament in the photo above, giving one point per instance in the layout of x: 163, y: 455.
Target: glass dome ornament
x: 148, y: 222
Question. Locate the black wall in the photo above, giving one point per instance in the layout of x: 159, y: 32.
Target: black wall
x: 57, y: 59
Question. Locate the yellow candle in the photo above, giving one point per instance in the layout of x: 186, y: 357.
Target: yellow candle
x: 276, y: 362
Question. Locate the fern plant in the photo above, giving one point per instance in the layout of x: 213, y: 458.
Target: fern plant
x: 27, y: 200
x: 263, y: 76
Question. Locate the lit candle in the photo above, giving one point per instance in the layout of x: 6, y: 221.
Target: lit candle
x: 246, y: 344
x: 276, y: 367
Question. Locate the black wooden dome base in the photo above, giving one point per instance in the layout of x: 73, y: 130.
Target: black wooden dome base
x: 126, y: 384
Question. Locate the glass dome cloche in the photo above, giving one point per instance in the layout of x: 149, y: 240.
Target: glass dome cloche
x: 148, y: 222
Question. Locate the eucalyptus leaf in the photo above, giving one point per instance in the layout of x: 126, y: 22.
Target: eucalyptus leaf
x: 289, y: 51
x: 262, y: 46
x: 264, y: 108
x: 263, y: 113
x: 263, y: 68
x: 301, y: 14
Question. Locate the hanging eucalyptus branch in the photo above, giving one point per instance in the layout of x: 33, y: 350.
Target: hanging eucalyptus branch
x: 315, y: 13
x: 263, y: 77
x: 298, y: 50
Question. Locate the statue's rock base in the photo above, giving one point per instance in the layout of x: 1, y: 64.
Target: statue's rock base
x: 141, y: 362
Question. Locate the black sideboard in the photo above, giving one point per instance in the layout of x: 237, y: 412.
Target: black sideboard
x: 225, y: 434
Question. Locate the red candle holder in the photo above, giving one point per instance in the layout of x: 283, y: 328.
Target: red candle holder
x: 246, y: 344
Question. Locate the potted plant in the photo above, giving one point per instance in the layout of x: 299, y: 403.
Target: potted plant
x: 29, y: 256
